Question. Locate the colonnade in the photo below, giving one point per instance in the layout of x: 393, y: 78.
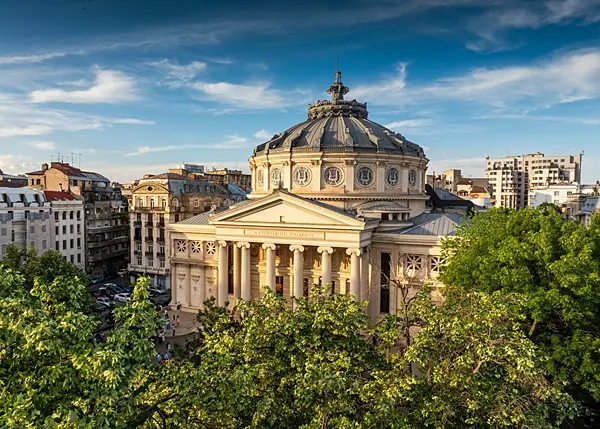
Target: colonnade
x: 241, y: 269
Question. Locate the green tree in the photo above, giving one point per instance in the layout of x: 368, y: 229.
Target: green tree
x: 269, y: 366
x: 53, y: 374
x: 553, y: 265
x: 476, y: 368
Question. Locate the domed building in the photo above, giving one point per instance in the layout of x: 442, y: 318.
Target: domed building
x: 337, y: 199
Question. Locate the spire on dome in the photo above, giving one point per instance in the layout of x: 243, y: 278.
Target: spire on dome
x: 338, y: 90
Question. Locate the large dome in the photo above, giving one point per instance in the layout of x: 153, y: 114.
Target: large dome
x: 340, y: 157
x: 338, y: 125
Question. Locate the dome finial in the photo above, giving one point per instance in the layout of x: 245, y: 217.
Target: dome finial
x: 338, y: 90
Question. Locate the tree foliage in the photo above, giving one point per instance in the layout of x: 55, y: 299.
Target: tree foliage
x: 553, y: 266
x: 275, y: 367
x: 53, y: 373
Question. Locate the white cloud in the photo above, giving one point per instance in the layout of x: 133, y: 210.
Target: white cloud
x: 180, y: 73
x: 564, y: 78
x: 131, y: 121
x: 36, y: 58
x: 110, y: 86
x: 247, y: 96
x: 231, y: 142
x: 43, y: 145
x: 409, y: 123
x: 263, y: 134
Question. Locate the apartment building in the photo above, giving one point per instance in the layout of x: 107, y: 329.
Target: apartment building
x: 514, y: 179
x: 454, y: 182
x: 69, y: 226
x: 558, y: 194
x: 25, y: 220
x: 106, y: 219
x: 225, y: 176
x: 157, y: 201
x: 12, y: 181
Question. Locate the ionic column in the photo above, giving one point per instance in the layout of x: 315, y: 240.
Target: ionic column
x: 298, y: 289
x: 364, y: 275
x: 188, y: 287
x: 270, y: 248
x: 325, y: 264
x: 222, y: 274
x: 201, y: 285
x: 354, y: 272
x: 245, y: 271
x: 237, y: 269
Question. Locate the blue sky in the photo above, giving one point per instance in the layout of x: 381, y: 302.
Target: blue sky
x: 138, y: 86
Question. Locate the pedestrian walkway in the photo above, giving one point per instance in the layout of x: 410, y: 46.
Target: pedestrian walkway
x: 187, y: 323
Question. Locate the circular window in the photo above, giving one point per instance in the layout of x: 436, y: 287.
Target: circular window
x: 333, y: 176
x: 276, y: 176
x: 364, y: 176
x: 392, y: 177
x: 412, y: 178
x: 302, y: 176
x: 260, y: 177
x: 150, y: 188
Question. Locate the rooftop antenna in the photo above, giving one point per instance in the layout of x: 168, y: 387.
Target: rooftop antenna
x: 71, y: 158
x: 79, y: 160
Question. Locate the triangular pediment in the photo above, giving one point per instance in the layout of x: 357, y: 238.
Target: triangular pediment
x: 284, y: 208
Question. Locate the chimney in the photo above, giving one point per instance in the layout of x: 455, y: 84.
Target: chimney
x: 44, y: 166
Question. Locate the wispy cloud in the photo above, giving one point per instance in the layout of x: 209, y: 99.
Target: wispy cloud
x: 130, y: 121
x: 43, y: 145
x: 263, y: 134
x: 110, y: 86
x: 470, y: 167
x: 389, y: 87
x: 409, y: 123
x: 180, y: 74
x: 36, y: 58
x: 231, y: 142
x: 250, y: 96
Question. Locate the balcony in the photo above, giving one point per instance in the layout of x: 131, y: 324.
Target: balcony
x: 160, y: 240
x: 148, y: 209
x: 149, y: 238
x: 137, y: 252
x: 160, y: 225
x: 149, y: 252
x: 137, y: 223
x: 160, y: 254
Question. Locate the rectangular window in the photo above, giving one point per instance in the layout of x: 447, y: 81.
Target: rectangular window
x: 32, y: 229
x: 44, y: 244
x: 56, y: 230
x: 306, y: 287
x: 44, y: 228
x: 4, y: 231
x: 384, y: 294
x: 57, y: 245
x: 279, y: 285
x: 3, y: 249
x: 161, y: 263
x: 79, y: 258
x: 78, y: 229
x: 72, y: 258
x: 71, y: 243
x: 56, y: 216
x: 139, y: 261
x: 71, y: 228
x: 64, y: 229
x: 79, y: 243
x: 70, y: 215
x: 78, y: 215
x: 64, y: 244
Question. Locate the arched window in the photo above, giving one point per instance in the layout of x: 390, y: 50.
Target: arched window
x: 151, y: 202
x: 196, y: 202
x: 71, y: 215
x: 175, y: 202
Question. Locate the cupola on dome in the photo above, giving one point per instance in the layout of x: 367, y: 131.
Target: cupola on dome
x: 339, y: 125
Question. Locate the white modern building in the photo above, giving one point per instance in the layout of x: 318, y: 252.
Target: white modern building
x: 553, y: 194
x: 514, y: 178
x: 25, y: 220
x: 69, y: 226
x: 337, y: 199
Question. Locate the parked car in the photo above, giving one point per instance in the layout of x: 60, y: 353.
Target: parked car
x: 122, y: 273
x: 156, y: 291
x: 104, y: 301
x: 97, y: 279
x: 122, y: 297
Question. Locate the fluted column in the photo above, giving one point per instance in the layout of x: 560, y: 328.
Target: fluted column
x: 298, y: 289
x: 325, y: 264
x: 245, y: 271
x: 270, y: 248
x: 223, y: 274
x: 354, y: 272
x: 237, y: 271
x: 364, y: 275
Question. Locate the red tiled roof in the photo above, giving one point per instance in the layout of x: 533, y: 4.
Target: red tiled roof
x: 58, y: 196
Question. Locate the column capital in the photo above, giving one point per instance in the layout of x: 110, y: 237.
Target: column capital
x: 243, y: 244
x: 222, y: 243
x: 325, y: 249
x: 297, y: 247
x: 269, y: 246
x: 354, y: 251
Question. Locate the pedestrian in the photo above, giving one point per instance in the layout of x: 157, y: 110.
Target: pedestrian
x: 166, y: 313
x: 177, y: 321
x: 167, y: 357
x: 168, y: 346
x: 173, y: 322
x: 178, y: 306
x: 173, y: 330
x: 167, y: 324
x: 161, y: 337
x: 158, y: 357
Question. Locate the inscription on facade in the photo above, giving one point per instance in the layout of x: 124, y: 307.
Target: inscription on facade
x: 284, y: 234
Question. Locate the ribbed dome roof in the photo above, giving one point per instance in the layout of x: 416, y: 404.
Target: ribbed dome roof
x: 338, y: 125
